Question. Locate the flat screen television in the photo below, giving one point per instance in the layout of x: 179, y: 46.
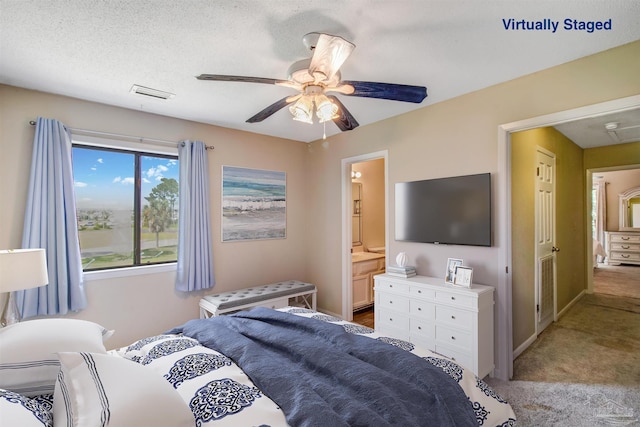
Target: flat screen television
x: 452, y: 211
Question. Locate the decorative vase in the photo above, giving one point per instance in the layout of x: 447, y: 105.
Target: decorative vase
x: 401, y: 259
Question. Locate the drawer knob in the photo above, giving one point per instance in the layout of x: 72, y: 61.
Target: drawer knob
x: 453, y: 338
x: 453, y: 317
x: 419, y: 291
x: 419, y: 308
x: 625, y: 256
x: 391, y: 319
x: 419, y: 328
x: 453, y: 298
x: 625, y: 237
x: 625, y: 246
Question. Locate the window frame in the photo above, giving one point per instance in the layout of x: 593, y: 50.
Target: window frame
x: 139, y: 149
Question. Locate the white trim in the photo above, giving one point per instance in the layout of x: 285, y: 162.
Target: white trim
x: 90, y: 276
x: 571, y: 304
x: 503, y: 216
x: 347, y: 296
x: 518, y: 351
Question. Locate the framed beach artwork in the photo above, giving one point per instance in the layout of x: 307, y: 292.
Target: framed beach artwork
x: 254, y: 204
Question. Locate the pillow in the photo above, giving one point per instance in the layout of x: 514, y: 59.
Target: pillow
x: 28, y: 361
x: 95, y: 389
x: 18, y: 410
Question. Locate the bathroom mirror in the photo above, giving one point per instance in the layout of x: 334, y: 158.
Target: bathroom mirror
x: 356, y: 213
x: 630, y: 210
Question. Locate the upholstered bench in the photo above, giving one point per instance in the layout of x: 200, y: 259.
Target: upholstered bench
x: 274, y: 295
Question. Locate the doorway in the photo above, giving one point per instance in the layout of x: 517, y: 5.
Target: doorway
x: 381, y: 243
x: 505, y: 354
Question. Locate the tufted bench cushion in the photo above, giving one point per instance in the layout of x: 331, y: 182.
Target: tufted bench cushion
x: 257, y: 295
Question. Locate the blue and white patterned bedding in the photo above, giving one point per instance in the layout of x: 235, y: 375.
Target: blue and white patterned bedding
x: 219, y: 393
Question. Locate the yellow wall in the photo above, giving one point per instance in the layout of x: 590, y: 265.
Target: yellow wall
x: 570, y: 223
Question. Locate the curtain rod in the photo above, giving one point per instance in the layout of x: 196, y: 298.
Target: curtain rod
x: 120, y: 136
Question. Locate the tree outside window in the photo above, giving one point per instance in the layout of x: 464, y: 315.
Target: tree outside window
x: 127, y: 207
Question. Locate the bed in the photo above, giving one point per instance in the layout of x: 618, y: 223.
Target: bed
x: 236, y: 370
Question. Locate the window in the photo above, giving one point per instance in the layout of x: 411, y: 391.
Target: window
x: 126, y: 206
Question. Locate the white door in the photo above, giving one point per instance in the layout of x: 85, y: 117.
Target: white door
x: 545, y: 271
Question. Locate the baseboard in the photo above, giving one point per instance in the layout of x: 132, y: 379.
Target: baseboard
x: 571, y: 304
x: 522, y: 347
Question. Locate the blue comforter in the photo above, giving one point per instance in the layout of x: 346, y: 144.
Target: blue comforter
x: 321, y: 375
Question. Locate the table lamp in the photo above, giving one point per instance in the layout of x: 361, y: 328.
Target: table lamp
x: 20, y: 269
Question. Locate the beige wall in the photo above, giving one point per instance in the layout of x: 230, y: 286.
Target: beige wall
x: 148, y: 304
x: 618, y: 182
x: 570, y: 223
x: 455, y: 137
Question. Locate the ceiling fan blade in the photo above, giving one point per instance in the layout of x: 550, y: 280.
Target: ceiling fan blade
x: 394, y: 92
x: 271, y: 109
x: 225, y: 78
x: 345, y: 121
x: 244, y: 79
x: 329, y: 55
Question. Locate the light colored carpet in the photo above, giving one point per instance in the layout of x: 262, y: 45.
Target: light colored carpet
x: 618, y: 280
x: 596, y: 342
x: 583, y: 370
x: 571, y: 405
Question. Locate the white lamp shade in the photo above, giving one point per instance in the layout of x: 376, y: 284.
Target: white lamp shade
x: 22, y: 269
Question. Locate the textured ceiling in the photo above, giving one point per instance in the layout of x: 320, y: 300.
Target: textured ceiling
x: 97, y: 49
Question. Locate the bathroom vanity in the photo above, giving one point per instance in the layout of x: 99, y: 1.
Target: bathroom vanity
x: 365, y: 266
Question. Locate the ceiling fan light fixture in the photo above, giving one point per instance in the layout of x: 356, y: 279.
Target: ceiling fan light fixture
x: 325, y: 109
x: 302, y: 110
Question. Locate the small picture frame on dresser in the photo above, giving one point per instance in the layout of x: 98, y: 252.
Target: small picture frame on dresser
x: 463, y: 276
x: 452, y: 263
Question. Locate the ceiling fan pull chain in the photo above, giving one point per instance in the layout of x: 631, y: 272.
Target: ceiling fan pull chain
x: 324, y: 130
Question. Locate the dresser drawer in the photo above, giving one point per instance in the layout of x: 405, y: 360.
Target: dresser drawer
x: 383, y: 285
x: 624, y: 256
x: 619, y: 246
x: 392, y: 319
x: 394, y: 302
x: 453, y: 337
x: 422, y: 309
x: 452, y: 298
x: 419, y: 292
x: 422, y: 329
x: 624, y: 238
x: 455, y: 317
x: 461, y: 357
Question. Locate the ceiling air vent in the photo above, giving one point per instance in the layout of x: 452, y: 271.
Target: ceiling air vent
x: 154, y: 93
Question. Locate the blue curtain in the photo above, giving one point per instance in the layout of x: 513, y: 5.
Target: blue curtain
x: 195, y: 255
x: 50, y: 223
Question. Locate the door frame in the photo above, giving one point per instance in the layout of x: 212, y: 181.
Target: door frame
x: 347, y: 297
x: 504, y: 326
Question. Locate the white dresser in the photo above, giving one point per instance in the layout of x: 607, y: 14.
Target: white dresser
x: 454, y: 321
x: 623, y: 247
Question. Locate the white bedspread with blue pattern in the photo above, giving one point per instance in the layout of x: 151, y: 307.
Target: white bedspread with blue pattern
x: 220, y: 394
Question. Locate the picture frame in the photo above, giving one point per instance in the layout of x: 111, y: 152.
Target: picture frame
x: 450, y: 273
x: 463, y: 276
x: 254, y: 204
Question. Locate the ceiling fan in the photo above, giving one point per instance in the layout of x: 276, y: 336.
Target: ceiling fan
x: 316, y: 78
